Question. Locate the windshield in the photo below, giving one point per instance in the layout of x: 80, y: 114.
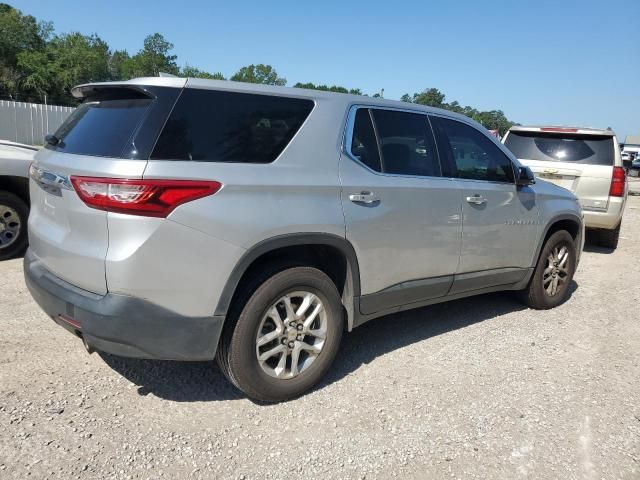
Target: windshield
x: 561, y: 147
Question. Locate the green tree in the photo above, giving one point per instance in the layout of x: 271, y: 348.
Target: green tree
x: 18, y: 33
x: 326, y: 88
x: 66, y: 61
x: 431, y: 97
x: 193, y: 72
x: 120, y: 65
x: 492, y: 120
x: 260, y: 73
x: 155, y: 57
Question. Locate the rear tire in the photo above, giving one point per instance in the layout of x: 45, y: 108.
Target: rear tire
x: 549, y: 285
x: 14, y: 213
x: 609, y: 238
x: 265, y: 324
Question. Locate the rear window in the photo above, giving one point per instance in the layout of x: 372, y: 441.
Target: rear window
x: 101, y: 127
x: 215, y: 126
x: 553, y: 147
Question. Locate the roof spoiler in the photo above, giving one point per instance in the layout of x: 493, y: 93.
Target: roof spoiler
x: 137, y: 84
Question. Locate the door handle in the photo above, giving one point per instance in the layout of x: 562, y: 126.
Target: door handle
x: 477, y: 200
x: 363, y: 197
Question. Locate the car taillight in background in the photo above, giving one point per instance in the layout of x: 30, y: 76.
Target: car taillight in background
x: 559, y: 129
x: 618, y: 182
x: 149, y: 198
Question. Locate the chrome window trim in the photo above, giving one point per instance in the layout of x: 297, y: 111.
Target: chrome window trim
x: 348, y: 136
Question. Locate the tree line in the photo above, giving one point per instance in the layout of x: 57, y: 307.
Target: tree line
x: 37, y: 63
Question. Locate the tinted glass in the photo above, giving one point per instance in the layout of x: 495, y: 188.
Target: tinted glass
x: 363, y: 144
x: 471, y: 154
x: 406, y: 143
x: 101, y: 128
x: 553, y: 147
x: 214, y: 126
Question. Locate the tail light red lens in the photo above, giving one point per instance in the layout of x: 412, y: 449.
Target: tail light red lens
x: 618, y: 182
x: 559, y: 129
x: 149, y: 198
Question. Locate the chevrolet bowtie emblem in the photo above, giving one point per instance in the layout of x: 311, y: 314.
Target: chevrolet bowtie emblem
x: 551, y: 170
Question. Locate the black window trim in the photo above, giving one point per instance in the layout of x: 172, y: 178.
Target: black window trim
x: 498, y: 145
x: 348, y: 137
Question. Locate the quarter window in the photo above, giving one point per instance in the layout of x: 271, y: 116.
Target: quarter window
x: 364, y: 146
x: 217, y: 126
x: 406, y: 143
x: 470, y: 154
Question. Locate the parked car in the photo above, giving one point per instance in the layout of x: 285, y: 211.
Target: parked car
x: 186, y: 219
x: 14, y: 197
x: 585, y: 161
x: 634, y: 169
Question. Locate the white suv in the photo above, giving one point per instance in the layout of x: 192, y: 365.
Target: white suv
x: 585, y: 161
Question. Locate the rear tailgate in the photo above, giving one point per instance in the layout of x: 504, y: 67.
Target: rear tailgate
x: 590, y: 183
x: 70, y: 238
x: 105, y: 137
x: 580, y: 162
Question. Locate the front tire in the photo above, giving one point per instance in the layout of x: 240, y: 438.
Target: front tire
x: 14, y: 214
x: 549, y: 285
x: 285, y: 337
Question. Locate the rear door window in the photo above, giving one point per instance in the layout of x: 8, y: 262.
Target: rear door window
x: 407, y: 145
x: 470, y: 154
x: 560, y: 147
x: 217, y: 126
x: 101, y: 127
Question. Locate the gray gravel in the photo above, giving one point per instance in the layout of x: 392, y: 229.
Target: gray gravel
x: 477, y: 388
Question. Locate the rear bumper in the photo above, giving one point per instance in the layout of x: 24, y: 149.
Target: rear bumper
x: 608, y: 219
x: 120, y: 324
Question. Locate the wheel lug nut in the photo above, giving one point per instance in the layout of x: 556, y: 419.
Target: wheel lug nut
x: 284, y: 341
x: 292, y: 324
x: 299, y: 337
x: 299, y: 327
x: 290, y: 344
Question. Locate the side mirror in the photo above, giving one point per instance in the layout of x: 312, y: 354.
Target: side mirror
x: 51, y: 139
x: 525, y: 177
x: 627, y: 163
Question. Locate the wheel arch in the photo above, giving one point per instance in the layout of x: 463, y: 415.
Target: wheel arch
x: 569, y: 222
x: 17, y: 185
x: 332, y: 254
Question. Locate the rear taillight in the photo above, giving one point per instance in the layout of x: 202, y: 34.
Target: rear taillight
x: 149, y: 198
x: 618, y: 181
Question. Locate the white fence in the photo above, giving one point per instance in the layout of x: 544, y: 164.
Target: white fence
x: 30, y: 122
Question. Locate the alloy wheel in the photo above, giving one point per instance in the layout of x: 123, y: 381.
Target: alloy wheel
x: 10, y: 225
x: 291, y: 334
x: 556, y: 273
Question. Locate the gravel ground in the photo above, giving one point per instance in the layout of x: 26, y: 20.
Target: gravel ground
x: 477, y: 388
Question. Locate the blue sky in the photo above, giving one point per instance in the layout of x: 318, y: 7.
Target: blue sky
x: 552, y: 62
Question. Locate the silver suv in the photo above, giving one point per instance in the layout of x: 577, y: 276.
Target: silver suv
x: 190, y: 219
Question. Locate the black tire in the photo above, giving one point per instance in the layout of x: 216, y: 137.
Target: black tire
x: 236, y: 353
x: 18, y: 245
x: 609, y: 238
x: 535, y: 295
